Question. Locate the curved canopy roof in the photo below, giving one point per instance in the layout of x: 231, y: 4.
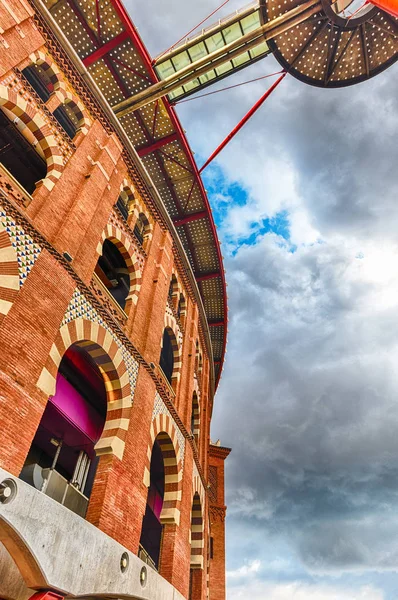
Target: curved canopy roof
x: 107, y: 42
x: 334, y: 47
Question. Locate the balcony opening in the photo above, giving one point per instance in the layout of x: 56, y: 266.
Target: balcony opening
x: 121, y: 204
x: 166, y: 361
x: 62, y: 461
x: 181, y: 307
x: 151, y: 533
x: 197, y: 545
x: 20, y: 152
x: 195, y: 417
x: 40, y: 80
x: 142, y: 229
x: 113, y: 272
x: 173, y: 289
x: 67, y: 117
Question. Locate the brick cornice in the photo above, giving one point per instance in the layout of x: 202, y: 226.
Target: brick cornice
x: 219, y: 451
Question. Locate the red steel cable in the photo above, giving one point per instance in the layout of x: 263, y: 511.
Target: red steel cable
x: 243, y: 121
x: 190, y: 31
x: 230, y: 87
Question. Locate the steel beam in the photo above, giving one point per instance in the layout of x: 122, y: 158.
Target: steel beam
x: 190, y: 218
x: 232, y: 50
x: 102, y: 50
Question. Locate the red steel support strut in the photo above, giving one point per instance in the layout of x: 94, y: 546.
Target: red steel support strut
x: 243, y: 121
x: 390, y: 6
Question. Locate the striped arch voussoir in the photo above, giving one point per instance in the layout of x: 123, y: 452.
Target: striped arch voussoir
x: 197, y: 525
x: 50, y: 67
x: 9, y: 274
x: 164, y: 430
x: 101, y: 346
x: 171, y: 324
x: 29, y: 115
x: 81, y: 113
x: 196, y: 416
x: 122, y: 243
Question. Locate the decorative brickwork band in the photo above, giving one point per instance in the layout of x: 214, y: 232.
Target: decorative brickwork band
x: 123, y: 244
x: 197, y: 537
x: 164, y: 431
x: 99, y: 343
x: 29, y: 115
x: 9, y: 275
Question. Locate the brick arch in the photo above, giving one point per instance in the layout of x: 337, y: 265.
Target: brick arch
x: 197, y: 528
x: 123, y: 244
x: 81, y: 113
x: 196, y: 415
x: 98, y: 342
x: 9, y: 273
x: 128, y: 189
x: 27, y: 113
x: 139, y: 209
x: 171, y: 326
x: 50, y: 67
x: 164, y: 430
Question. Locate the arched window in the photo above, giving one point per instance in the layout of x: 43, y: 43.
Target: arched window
x: 195, y: 417
x: 122, y: 206
x: 167, y: 354
x: 173, y: 289
x: 69, y: 117
x: 112, y: 270
x: 142, y: 229
x: 20, y: 152
x: 181, y: 308
x: 151, y: 532
x: 197, y: 544
x: 62, y: 461
x: 40, y: 80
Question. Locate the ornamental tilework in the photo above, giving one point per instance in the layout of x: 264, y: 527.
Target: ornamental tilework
x: 27, y: 250
x: 161, y: 409
x: 80, y: 308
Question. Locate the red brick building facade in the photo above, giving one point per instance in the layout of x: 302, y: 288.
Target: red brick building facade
x: 112, y: 322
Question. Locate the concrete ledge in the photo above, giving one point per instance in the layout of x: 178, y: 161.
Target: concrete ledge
x: 55, y: 548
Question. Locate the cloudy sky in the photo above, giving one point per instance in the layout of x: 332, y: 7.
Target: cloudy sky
x: 305, y: 199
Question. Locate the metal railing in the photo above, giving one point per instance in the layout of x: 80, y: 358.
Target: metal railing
x: 144, y: 556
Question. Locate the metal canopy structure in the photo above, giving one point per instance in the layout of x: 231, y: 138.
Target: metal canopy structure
x: 106, y: 40
x: 319, y: 42
x: 333, y: 48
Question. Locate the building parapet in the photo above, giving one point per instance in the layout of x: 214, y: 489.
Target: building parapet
x: 48, y: 542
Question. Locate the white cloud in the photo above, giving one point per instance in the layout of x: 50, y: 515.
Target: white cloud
x: 308, y: 399
x: 259, y: 590
x: 244, y: 570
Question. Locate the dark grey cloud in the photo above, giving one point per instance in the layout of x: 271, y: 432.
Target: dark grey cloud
x: 309, y: 394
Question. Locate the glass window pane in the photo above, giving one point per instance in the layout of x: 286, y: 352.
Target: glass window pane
x: 207, y: 77
x: 197, y: 51
x: 240, y: 60
x: 215, y: 42
x: 232, y: 33
x: 251, y: 22
x: 181, y: 60
x: 224, y: 68
x: 165, y: 69
x: 259, y: 50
